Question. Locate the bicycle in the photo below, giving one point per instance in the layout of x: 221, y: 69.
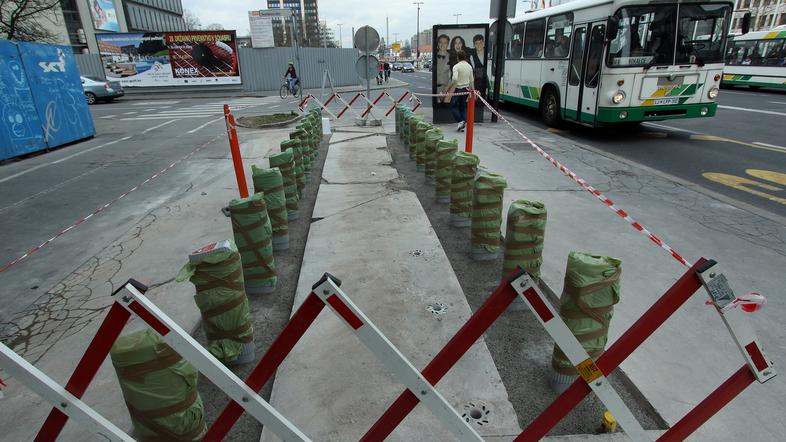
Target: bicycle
x: 285, y: 91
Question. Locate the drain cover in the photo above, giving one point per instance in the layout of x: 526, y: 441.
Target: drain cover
x: 476, y: 414
x: 437, y: 308
x: 416, y: 253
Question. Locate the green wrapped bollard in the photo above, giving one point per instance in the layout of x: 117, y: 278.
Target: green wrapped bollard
x: 446, y: 150
x: 301, y: 136
x: 285, y: 162
x: 159, y: 388
x: 306, y: 127
x: 487, y: 215
x: 412, y: 124
x: 311, y: 129
x: 465, y: 166
x: 592, y: 287
x: 217, y: 274
x: 300, y: 176
x: 420, y: 144
x: 270, y: 183
x: 524, y: 234
x: 253, y: 235
x: 430, y: 153
x: 402, y: 123
x: 400, y: 111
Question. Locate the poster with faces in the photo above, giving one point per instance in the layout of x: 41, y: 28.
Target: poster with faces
x: 448, y: 41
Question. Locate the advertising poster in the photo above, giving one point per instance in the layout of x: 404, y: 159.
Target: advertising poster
x: 261, y: 27
x: 472, y: 39
x: 104, y: 15
x: 170, y: 58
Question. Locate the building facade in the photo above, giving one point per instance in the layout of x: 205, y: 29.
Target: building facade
x: 327, y: 37
x: 306, y: 19
x: 425, y: 42
x: 765, y: 14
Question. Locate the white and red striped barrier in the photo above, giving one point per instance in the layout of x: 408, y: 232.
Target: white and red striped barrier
x: 347, y: 106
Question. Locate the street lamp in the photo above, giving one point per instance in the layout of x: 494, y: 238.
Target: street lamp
x: 457, y: 16
x: 417, y: 35
x: 340, y: 43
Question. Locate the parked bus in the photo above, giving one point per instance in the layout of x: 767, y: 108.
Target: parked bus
x: 757, y: 59
x: 600, y: 62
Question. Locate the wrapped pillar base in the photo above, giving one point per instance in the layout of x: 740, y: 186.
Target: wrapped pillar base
x: 487, y: 215
x: 443, y: 169
x: 270, y: 182
x: 465, y: 166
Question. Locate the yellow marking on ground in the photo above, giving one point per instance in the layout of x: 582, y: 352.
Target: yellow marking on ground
x: 741, y: 183
x: 703, y: 137
x: 774, y: 177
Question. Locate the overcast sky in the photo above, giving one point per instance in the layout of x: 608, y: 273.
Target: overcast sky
x: 233, y: 14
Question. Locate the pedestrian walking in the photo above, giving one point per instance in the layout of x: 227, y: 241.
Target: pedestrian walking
x: 462, y: 79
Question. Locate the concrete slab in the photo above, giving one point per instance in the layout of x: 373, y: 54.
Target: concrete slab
x: 692, y: 353
x: 344, y: 136
x: 334, y: 198
x: 358, y: 161
x: 392, y: 266
x: 364, y: 141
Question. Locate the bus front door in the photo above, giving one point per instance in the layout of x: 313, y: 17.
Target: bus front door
x: 581, y: 97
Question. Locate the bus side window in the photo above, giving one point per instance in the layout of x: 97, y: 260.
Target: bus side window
x: 578, y: 56
x: 558, y: 36
x: 533, y: 38
x: 518, y: 41
x: 597, y: 36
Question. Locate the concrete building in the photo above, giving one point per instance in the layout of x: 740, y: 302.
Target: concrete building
x: 425, y: 42
x: 327, y: 37
x: 76, y: 22
x: 306, y: 17
x: 765, y: 14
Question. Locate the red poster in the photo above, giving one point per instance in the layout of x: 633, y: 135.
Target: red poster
x: 203, y: 54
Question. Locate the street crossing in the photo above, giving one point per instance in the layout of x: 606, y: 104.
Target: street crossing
x: 198, y: 110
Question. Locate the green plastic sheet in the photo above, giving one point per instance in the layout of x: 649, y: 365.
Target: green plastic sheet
x: 159, y: 388
x: 305, y: 148
x: 465, y: 166
x: 524, y: 236
x: 446, y: 150
x: 487, y: 211
x: 420, y: 143
x: 221, y: 298
x: 430, y: 152
x: 253, y: 231
x: 300, y: 176
x: 412, y: 123
x: 404, y: 113
x: 592, y: 287
x: 270, y: 183
x: 285, y: 162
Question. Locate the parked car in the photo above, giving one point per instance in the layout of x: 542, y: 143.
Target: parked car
x: 396, y: 66
x: 408, y: 68
x: 97, y: 89
x: 427, y: 64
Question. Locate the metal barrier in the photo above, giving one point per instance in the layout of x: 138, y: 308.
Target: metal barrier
x: 347, y: 105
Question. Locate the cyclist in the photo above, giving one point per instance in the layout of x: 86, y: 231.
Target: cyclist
x: 387, y: 71
x: 293, y: 80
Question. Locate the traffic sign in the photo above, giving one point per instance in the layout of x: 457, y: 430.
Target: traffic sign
x: 396, y: 47
x: 366, y: 39
x: 367, y: 66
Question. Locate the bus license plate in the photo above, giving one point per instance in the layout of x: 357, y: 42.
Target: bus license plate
x: 661, y: 101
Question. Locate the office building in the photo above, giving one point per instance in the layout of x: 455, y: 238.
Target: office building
x: 765, y: 14
x: 306, y: 19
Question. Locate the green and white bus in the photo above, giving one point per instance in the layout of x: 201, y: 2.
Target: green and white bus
x: 757, y: 59
x: 600, y: 62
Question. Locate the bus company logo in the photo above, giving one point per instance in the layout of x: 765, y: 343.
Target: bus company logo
x: 666, y: 88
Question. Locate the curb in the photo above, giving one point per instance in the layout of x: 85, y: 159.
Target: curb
x: 268, y: 125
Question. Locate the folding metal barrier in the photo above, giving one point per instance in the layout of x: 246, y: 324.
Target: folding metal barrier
x: 592, y: 373
x: 347, y: 105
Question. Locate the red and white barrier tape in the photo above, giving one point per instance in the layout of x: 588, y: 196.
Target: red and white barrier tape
x: 595, y: 192
x: 451, y: 94
x: 104, y: 207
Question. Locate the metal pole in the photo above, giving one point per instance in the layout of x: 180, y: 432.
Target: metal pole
x: 457, y: 16
x: 340, y: 44
x: 387, y: 34
x: 296, y: 43
x: 417, y: 35
x: 499, y: 56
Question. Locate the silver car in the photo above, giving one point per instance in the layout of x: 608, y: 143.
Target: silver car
x: 97, y: 89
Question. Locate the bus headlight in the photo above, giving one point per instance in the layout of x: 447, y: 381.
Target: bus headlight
x: 713, y: 93
x: 618, y: 97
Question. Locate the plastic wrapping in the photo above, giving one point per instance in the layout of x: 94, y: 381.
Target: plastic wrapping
x: 420, y: 144
x: 433, y: 136
x: 412, y: 123
x: 487, y: 214
x: 300, y: 176
x: 159, y: 388
x: 270, y: 183
x: 221, y: 297
x: 253, y: 235
x: 524, y: 236
x: 465, y: 166
x: 592, y: 287
x: 446, y: 150
x: 285, y: 162
x: 403, y: 131
x: 305, y: 148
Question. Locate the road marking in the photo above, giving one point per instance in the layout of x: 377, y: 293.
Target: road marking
x: 89, y: 150
x: 704, y: 137
x: 108, y: 116
x: 742, y: 183
x: 753, y: 110
x: 663, y: 126
x: 775, y: 177
x: 202, y: 126
x: 758, y: 143
x: 778, y: 102
x: 150, y: 103
x: 166, y: 117
x: 160, y: 125
x: 131, y: 113
x: 10, y: 177
x: 150, y: 110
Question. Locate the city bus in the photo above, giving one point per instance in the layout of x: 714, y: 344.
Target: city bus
x: 601, y: 62
x: 757, y: 59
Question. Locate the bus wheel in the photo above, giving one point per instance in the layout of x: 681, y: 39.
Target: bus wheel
x: 549, y: 107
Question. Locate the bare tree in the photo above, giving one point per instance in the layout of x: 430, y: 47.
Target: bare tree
x: 214, y: 27
x: 191, y: 20
x: 28, y: 20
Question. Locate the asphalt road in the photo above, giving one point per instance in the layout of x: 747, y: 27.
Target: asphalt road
x: 740, y: 153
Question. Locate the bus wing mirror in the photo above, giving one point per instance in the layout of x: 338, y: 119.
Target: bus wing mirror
x: 746, y: 23
x: 612, y: 27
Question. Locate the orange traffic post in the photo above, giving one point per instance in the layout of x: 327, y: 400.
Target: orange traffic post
x: 470, y: 120
x: 234, y: 147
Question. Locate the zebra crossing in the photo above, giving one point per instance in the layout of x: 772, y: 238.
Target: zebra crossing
x: 199, y: 110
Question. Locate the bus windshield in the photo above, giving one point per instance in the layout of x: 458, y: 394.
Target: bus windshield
x: 647, y: 33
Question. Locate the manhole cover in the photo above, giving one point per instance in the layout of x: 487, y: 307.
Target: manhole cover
x: 416, y: 253
x: 476, y: 414
x: 437, y: 308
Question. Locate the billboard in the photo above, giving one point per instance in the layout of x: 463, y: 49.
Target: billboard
x: 170, y: 58
x: 261, y: 26
x: 448, y: 41
x: 104, y: 15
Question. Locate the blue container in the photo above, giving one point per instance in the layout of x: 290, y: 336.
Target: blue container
x: 20, y: 128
